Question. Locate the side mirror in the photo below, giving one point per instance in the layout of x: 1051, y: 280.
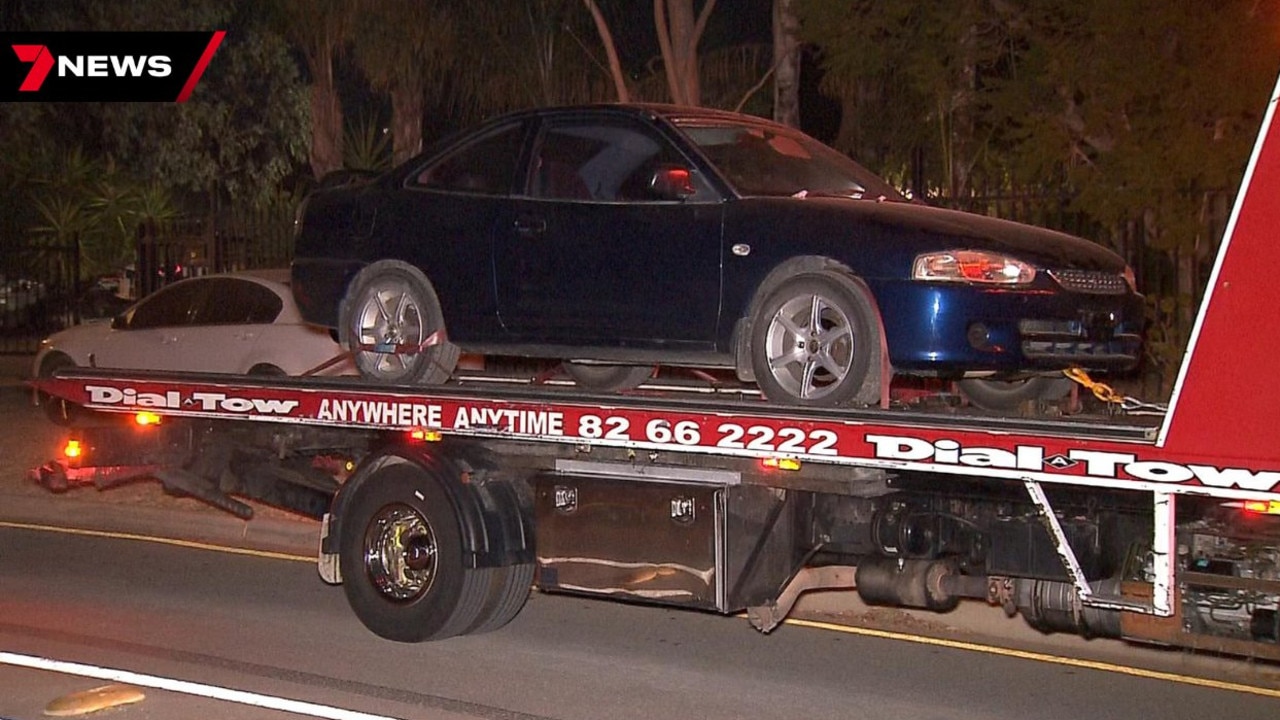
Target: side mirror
x: 672, y: 182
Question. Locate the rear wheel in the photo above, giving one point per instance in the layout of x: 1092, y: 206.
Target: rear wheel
x: 391, y: 319
x: 1008, y: 395
x: 402, y: 562
x: 812, y: 342
x: 58, y: 411
x: 508, y: 591
x: 608, y: 378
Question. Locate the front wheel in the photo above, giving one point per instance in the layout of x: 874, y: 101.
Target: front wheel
x: 392, y: 322
x: 812, y: 342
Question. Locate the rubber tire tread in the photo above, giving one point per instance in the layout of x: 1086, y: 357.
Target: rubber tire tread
x: 990, y: 395
x: 508, y: 592
x: 608, y: 378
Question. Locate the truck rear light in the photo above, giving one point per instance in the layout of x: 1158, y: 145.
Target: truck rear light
x: 72, y: 450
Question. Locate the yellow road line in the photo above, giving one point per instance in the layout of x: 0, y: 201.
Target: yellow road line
x: 1039, y: 657
x: 160, y: 540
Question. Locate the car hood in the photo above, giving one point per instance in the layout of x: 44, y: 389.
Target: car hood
x: 925, y: 224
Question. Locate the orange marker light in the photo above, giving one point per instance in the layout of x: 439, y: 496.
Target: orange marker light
x: 1263, y: 507
x: 425, y: 435
x: 73, y: 449
x: 146, y: 418
x: 781, y: 463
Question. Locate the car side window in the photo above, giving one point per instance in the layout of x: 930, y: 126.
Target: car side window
x: 168, y: 307
x: 604, y: 160
x: 232, y: 301
x: 484, y: 167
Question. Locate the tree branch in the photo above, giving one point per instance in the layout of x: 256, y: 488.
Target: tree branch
x: 606, y: 37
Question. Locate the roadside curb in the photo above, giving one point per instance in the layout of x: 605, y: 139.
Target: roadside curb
x: 263, y: 534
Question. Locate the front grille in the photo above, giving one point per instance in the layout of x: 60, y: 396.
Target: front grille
x: 1092, y: 282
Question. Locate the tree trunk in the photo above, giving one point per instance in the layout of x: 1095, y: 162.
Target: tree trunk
x: 610, y: 51
x: 326, y: 116
x: 786, y: 63
x: 679, y: 32
x: 406, y: 121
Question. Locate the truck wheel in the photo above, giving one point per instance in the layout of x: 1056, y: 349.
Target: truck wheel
x: 401, y: 559
x: 388, y: 318
x: 508, y: 591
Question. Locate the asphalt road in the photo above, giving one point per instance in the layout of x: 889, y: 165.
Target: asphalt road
x: 269, y: 626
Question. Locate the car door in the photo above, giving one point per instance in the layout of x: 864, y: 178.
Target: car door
x: 233, y: 317
x: 443, y: 219
x: 595, y: 257
x: 147, y: 337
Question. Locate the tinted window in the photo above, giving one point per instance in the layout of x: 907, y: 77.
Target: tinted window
x: 605, y: 160
x: 485, y: 166
x: 759, y: 160
x: 170, y: 306
x: 231, y: 301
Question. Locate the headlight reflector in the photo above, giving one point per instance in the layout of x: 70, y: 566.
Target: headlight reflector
x: 973, y: 266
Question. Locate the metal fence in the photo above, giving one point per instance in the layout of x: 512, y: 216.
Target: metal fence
x: 42, y: 288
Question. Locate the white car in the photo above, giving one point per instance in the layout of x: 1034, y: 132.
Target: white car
x: 241, y: 323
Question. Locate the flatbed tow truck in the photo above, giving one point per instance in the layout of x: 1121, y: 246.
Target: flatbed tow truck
x: 443, y: 505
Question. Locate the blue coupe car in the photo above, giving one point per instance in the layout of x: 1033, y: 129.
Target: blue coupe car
x: 620, y: 237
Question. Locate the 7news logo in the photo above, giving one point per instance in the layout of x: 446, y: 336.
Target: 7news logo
x: 104, y: 66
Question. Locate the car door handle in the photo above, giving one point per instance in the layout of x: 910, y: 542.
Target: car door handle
x: 531, y: 227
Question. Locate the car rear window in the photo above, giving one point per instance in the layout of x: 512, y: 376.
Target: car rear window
x: 232, y: 301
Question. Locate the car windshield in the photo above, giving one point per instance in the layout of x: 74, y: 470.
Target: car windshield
x: 761, y: 161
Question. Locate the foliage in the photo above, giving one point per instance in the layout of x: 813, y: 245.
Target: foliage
x: 366, y: 147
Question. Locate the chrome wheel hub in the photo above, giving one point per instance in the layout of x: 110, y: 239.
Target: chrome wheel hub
x: 400, y: 552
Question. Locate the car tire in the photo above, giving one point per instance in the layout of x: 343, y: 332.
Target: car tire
x: 1009, y: 395
x: 608, y: 378
x: 59, y: 411
x: 387, y: 318
x: 267, y: 370
x: 812, y: 342
x: 401, y: 559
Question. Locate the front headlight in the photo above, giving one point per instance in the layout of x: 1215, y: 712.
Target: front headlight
x: 974, y: 266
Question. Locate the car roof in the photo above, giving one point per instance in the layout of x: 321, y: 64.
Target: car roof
x: 673, y: 113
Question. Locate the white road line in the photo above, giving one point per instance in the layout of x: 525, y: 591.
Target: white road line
x: 214, y: 692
